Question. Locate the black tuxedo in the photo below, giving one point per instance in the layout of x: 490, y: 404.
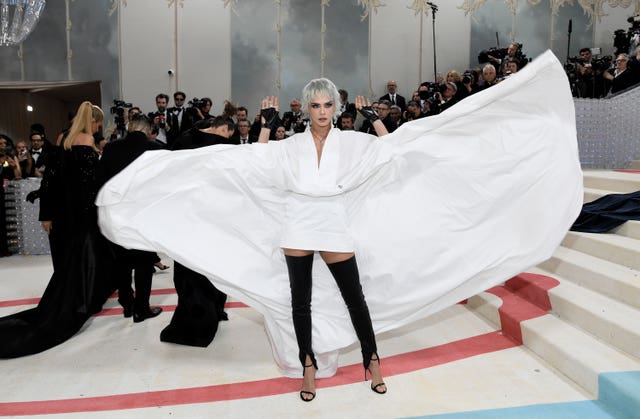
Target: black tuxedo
x: 400, y: 101
x: 200, y: 304
x: 116, y: 156
x: 184, y: 119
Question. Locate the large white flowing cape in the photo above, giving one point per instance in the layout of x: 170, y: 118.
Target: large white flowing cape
x: 440, y: 210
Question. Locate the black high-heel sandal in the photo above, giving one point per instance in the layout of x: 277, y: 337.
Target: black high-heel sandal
x: 376, y: 388
x: 303, y: 392
x: 161, y: 266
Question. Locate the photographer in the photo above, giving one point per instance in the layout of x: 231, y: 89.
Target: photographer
x: 625, y: 74
x: 293, y: 120
x: 489, y: 76
x: 165, y: 121
x: 445, y: 98
x: 27, y: 164
x: 470, y: 82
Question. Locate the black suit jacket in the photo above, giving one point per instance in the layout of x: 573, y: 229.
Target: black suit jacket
x: 194, y: 138
x: 400, y: 100
x: 119, y: 154
x: 187, y: 120
x: 171, y: 121
x: 626, y: 79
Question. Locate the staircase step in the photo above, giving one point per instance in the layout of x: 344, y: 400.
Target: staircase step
x: 620, y: 394
x: 620, y: 182
x: 599, y: 275
x: 628, y: 229
x: 613, y: 322
x: 576, y: 354
x: 571, y: 351
x: 591, y: 194
x: 612, y: 247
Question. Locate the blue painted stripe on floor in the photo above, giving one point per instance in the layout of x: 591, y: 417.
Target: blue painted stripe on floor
x: 571, y: 410
x: 619, y: 398
x: 620, y: 393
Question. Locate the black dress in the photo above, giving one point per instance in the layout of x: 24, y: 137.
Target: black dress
x: 80, y: 283
x: 200, y: 304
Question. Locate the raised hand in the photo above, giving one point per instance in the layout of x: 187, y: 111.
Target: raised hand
x: 364, y: 107
x: 269, y: 112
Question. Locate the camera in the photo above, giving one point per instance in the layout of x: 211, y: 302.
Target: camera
x: 118, y: 110
x: 467, y: 77
x: 623, y: 41
x: 162, y: 122
x: 499, y: 53
x: 170, y: 72
x: 197, y: 103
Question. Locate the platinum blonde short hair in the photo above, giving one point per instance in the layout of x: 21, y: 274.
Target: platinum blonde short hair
x: 321, y: 87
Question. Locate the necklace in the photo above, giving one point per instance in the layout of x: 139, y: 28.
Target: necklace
x: 318, y: 140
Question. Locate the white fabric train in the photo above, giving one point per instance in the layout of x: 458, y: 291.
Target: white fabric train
x: 441, y: 209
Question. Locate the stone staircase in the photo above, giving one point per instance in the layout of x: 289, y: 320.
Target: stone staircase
x: 591, y: 332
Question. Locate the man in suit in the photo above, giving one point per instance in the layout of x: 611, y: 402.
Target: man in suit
x: 242, y: 134
x: 165, y: 120
x: 626, y: 73
x: 200, y: 304
x: 116, y: 156
x: 182, y: 117
x: 292, y: 120
x: 393, y: 97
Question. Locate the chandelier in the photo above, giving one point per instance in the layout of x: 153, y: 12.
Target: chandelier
x: 17, y: 19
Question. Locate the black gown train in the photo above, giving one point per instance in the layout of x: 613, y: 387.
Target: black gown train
x: 80, y: 283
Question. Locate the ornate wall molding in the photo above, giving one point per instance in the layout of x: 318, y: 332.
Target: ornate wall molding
x: 592, y: 8
x: 369, y: 6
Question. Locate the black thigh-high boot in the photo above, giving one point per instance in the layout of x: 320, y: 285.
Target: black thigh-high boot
x: 300, y: 281
x: 348, y: 279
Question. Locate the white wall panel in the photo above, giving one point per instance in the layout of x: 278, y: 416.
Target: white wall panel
x: 396, y: 39
x: 147, y: 51
x: 204, y: 51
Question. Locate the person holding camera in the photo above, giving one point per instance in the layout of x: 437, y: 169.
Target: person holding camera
x: 165, y: 120
x: 625, y: 74
x: 27, y: 165
x: 293, y: 120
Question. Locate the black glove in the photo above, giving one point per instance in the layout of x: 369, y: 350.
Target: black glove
x: 33, y: 195
x: 369, y: 114
x: 270, y: 116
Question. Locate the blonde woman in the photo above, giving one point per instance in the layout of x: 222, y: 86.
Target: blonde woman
x: 79, y: 284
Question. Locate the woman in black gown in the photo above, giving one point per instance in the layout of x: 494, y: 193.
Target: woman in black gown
x: 80, y: 281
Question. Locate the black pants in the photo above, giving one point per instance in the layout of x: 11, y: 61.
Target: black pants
x: 140, y: 263
x: 348, y: 280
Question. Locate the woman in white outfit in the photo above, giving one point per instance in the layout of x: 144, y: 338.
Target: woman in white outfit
x: 318, y: 224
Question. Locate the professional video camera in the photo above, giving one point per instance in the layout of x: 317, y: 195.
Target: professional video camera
x: 433, y: 91
x: 501, y: 53
x: 118, y: 109
x: 626, y: 41
x: 197, y: 103
x: 495, y: 52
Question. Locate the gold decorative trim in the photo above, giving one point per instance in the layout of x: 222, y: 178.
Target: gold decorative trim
x: 369, y: 6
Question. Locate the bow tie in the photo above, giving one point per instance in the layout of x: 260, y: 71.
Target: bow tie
x: 36, y: 151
